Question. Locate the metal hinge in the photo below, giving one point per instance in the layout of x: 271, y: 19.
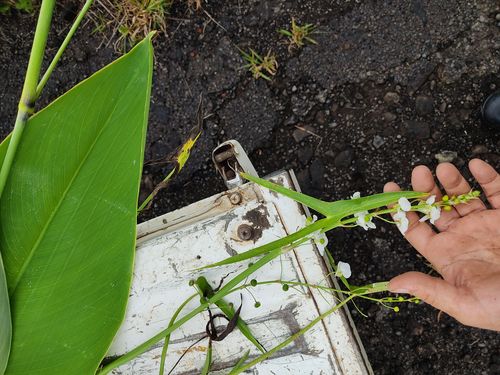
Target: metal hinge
x: 230, y: 158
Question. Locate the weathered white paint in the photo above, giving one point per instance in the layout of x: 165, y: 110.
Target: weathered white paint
x: 172, y: 245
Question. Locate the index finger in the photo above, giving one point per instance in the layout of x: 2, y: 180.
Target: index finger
x: 419, y: 233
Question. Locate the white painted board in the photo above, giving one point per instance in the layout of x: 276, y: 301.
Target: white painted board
x: 171, y: 246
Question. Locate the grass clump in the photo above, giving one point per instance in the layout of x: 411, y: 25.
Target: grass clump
x: 131, y: 20
x: 260, y: 66
x: 21, y: 5
x: 299, y: 35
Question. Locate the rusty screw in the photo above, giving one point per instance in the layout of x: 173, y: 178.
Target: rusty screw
x: 235, y: 198
x: 245, y: 232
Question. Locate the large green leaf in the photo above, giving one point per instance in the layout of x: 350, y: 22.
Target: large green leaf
x: 5, y: 322
x: 68, y: 219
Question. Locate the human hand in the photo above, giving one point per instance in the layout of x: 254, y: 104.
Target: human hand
x: 465, y: 251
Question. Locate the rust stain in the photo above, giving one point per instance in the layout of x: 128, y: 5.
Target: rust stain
x: 258, y: 217
x: 196, y: 348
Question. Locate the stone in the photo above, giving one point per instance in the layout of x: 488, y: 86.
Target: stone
x: 321, y: 117
x: 391, y: 98
x: 378, y: 141
x: 322, y: 96
x: 292, y: 120
x: 424, y: 105
x: 479, y: 149
x: 301, y: 105
x: 305, y: 155
x: 446, y: 156
x: 417, y: 129
x: 299, y: 134
x: 389, y: 116
x: 344, y: 158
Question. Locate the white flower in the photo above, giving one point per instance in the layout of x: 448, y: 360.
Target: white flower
x: 404, y: 204
x: 343, y: 269
x: 320, y: 240
x: 431, y: 200
x: 401, y: 221
x: 363, y: 221
x: 433, y: 214
x: 356, y: 195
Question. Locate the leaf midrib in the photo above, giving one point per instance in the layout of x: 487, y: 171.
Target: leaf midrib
x: 64, y: 194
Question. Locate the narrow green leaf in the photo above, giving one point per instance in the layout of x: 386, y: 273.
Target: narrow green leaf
x: 311, y: 202
x: 68, y: 219
x: 5, y: 320
x: 240, y: 362
x: 208, y: 360
x: 348, y: 207
x: 166, y: 342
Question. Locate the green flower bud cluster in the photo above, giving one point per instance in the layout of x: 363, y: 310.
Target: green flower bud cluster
x: 448, y: 202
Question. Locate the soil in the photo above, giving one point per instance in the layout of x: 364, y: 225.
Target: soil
x: 389, y: 85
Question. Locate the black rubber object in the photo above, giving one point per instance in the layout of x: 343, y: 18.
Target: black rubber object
x: 490, y: 111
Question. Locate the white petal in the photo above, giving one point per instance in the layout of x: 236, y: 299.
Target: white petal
x: 435, y: 214
x: 356, y: 195
x: 344, y: 269
x: 431, y: 200
x: 424, y: 218
x: 403, y: 225
x: 361, y: 214
x: 399, y: 215
x: 404, y: 204
x: 401, y: 221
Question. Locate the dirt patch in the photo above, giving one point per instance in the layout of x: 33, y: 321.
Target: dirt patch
x: 390, y: 85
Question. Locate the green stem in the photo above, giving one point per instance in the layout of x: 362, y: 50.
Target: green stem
x: 61, y: 49
x: 152, y: 195
x: 28, y: 96
x: 225, y: 290
x: 167, y: 337
x: 292, y: 338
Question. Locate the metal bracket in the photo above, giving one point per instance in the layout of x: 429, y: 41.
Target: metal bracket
x: 230, y: 158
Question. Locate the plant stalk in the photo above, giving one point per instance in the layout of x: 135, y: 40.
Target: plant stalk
x: 28, y: 96
x: 63, y: 46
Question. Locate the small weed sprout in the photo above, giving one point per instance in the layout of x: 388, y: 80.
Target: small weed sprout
x: 298, y: 35
x: 261, y: 67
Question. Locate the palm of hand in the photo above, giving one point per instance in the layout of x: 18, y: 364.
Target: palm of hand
x: 467, y: 255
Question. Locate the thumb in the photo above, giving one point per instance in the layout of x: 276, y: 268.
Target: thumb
x: 432, y: 290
